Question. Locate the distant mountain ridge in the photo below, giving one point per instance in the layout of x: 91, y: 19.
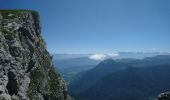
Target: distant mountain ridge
x: 74, y: 60
x: 117, y: 55
x: 81, y: 61
x: 112, y: 75
x: 104, y: 68
x: 148, y: 61
x: 130, y: 84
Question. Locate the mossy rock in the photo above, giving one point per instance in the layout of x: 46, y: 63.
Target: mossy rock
x: 8, y: 34
x: 2, y: 98
x: 35, y: 81
x: 11, y: 14
x: 54, y: 83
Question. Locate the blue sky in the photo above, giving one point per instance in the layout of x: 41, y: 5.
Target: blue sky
x: 101, y: 26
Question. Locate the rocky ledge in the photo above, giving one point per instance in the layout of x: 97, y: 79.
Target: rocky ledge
x: 26, y: 69
x: 164, y: 96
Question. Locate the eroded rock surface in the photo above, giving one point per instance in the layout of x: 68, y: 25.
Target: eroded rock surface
x: 164, y: 96
x: 26, y: 70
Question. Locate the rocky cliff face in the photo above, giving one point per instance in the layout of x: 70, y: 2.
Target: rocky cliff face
x: 164, y: 96
x: 26, y: 70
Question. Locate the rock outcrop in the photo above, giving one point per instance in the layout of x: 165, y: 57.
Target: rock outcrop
x: 26, y: 69
x: 164, y: 96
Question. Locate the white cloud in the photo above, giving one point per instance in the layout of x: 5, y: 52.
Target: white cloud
x: 103, y: 56
x: 97, y: 57
x: 113, y: 54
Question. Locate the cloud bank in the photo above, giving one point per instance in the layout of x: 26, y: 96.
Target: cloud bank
x: 103, y: 56
x: 97, y: 57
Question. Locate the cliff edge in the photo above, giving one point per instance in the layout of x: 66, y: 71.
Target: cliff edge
x: 164, y: 96
x: 26, y: 69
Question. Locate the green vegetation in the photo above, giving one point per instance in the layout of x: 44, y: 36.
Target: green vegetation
x: 2, y: 98
x: 14, y: 13
x: 36, y: 18
x: 36, y: 78
x: 8, y: 34
x: 14, y: 98
x: 54, y: 83
x: 35, y: 81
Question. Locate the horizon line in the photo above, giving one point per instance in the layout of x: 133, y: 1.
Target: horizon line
x: 114, y: 52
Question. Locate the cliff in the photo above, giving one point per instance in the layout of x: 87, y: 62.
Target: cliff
x: 26, y: 69
x: 164, y: 96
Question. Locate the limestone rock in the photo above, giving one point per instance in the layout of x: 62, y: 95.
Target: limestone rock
x: 164, y: 96
x: 26, y: 69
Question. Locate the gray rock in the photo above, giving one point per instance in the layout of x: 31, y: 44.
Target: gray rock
x: 26, y: 69
x: 164, y: 96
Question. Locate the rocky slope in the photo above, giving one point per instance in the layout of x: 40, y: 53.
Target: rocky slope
x: 26, y: 70
x: 164, y: 96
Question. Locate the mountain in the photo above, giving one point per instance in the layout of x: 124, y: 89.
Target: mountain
x: 148, y: 61
x: 69, y: 74
x: 123, y: 79
x: 26, y: 69
x: 130, y: 84
x: 71, y: 64
x: 138, y: 55
x: 114, y: 55
x: 74, y: 62
x: 90, y: 77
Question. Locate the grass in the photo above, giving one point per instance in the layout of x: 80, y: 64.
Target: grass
x: 2, y: 98
x: 14, y: 12
x: 35, y: 81
x: 36, y: 78
x: 54, y: 83
x: 8, y: 34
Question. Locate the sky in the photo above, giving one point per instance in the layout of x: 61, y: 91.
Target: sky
x: 101, y: 26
